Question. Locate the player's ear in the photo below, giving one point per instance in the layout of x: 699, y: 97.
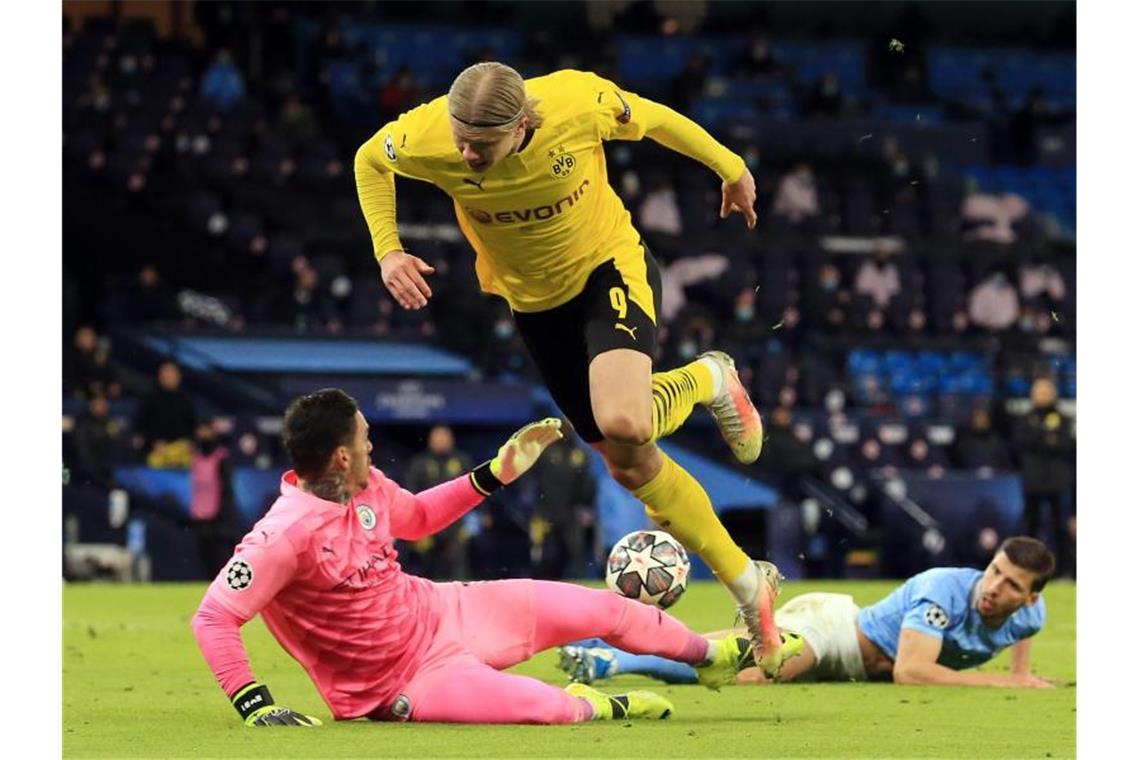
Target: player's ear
x: 342, y: 459
x: 1032, y: 598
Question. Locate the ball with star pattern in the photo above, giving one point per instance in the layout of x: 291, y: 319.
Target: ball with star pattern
x: 650, y: 566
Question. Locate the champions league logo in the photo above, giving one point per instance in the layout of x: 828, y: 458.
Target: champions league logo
x: 366, y: 515
x: 936, y: 617
x: 239, y: 575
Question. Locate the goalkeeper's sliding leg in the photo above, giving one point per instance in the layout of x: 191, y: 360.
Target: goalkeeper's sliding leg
x: 488, y: 627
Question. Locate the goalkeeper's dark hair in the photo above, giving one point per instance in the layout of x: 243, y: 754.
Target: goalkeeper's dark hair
x: 315, y: 425
x: 1032, y: 555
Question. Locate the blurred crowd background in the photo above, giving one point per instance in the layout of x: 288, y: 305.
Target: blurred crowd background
x: 904, y: 314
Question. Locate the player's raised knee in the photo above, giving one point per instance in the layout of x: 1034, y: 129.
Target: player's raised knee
x: 625, y: 428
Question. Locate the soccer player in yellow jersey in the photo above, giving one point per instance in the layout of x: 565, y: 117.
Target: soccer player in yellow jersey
x: 523, y: 162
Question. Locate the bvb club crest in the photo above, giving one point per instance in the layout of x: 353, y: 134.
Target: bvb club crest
x: 561, y: 163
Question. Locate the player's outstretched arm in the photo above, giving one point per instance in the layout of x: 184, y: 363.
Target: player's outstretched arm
x: 917, y: 663
x: 401, y: 272
x: 1019, y: 657
x: 414, y: 516
x: 263, y: 564
x: 685, y: 136
x: 217, y: 632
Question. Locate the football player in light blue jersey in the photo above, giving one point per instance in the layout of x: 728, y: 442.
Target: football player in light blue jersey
x: 930, y: 630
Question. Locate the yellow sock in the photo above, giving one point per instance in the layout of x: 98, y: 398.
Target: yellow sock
x: 674, y: 394
x: 676, y: 501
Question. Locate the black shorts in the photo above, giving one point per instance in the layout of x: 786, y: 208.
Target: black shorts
x: 564, y: 340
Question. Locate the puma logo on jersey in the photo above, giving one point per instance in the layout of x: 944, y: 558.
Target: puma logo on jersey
x: 631, y: 330
x: 478, y: 184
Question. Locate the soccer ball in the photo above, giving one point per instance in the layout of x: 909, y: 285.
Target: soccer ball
x: 650, y: 566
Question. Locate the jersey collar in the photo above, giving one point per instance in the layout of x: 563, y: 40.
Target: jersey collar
x: 526, y: 141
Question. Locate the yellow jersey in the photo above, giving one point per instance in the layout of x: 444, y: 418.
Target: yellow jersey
x: 542, y: 219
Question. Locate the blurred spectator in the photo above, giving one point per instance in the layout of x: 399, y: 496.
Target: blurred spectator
x: 693, y: 335
x: 399, y: 94
x: 686, y: 271
x: 222, y: 83
x: 211, y: 498
x: 993, y: 303
x: 743, y: 334
x: 825, y: 98
x: 86, y: 371
x: 442, y: 556
x: 95, y: 436
x: 689, y: 84
x: 150, y: 298
x: 920, y: 455
x: 681, y: 16
x: 564, y: 512
x: 1032, y: 323
x: 501, y: 549
x: 898, y: 167
x: 659, y: 211
x: 787, y: 452
x: 166, y: 421
x: 306, y: 307
x: 296, y: 122
x: 504, y: 353
x: 878, y: 278
x: 1047, y: 446
x: 979, y: 447
x: 1023, y: 126
x: 825, y: 301
x: 797, y: 199
x: 757, y: 61
x: 1041, y: 283
x: 910, y: 87
x: 991, y: 218
x: 97, y: 97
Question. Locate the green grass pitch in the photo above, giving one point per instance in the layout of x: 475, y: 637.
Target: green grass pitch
x: 135, y: 685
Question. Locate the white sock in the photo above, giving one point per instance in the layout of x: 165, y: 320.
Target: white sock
x: 711, y: 653
x: 717, y: 373
x: 746, y: 585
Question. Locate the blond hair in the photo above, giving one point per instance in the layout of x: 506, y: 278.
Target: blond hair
x: 491, y: 97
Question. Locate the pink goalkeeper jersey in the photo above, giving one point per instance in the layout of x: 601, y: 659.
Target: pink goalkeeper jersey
x: 325, y: 578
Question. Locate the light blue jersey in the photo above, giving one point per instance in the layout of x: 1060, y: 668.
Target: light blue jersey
x: 940, y: 603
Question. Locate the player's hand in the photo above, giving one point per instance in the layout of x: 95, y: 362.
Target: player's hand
x: 403, y: 276
x: 256, y: 708
x: 523, y: 449
x: 739, y: 196
x: 1030, y: 681
x: 275, y: 715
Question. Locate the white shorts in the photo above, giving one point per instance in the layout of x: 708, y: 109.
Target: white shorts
x: 827, y: 622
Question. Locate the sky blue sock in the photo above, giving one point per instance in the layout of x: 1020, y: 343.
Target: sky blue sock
x: 660, y: 668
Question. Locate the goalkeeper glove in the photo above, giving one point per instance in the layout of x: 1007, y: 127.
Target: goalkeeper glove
x: 517, y: 455
x: 256, y: 708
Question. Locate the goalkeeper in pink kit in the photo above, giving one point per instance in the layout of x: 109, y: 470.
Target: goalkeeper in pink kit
x: 321, y: 570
